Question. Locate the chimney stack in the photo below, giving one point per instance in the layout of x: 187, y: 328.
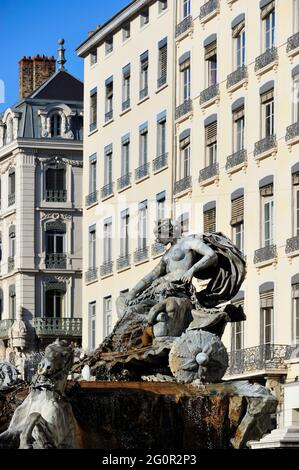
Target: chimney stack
x: 33, y: 72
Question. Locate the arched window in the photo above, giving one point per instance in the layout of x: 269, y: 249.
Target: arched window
x: 56, y: 125
x: 54, y: 300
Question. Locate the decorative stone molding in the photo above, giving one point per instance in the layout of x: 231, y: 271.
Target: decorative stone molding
x: 11, y: 163
x: 66, y: 115
x: 59, y: 159
x: 55, y: 216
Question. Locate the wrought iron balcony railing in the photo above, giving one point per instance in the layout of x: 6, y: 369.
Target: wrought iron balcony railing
x: 58, y: 327
x: 237, y: 76
x: 158, y: 249
x: 293, y: 42
x: 92, y: 198
x: 123, y: 262
x: 160, y: 162
x: 183, y: 26
x: 292, y: 131
x: 262, y: 146
x: 209, y: 172
x: 208, y: 8
x: 10, y: 264
x: 124, y: 181
x: 126, y: 104
x: 56, y: 195
x: 259, y: 358
x: 11, y: 199
x: 236, y: 158
x: 183, y: 109
x: 56, y: 260
x: 209, y: 93
x: 265, y: 254
x: 143, y: 93
x: 161, y: 81
x: 4, y: 328
x: 91, y: 275
x: 292, y: 245
x: 271, y: 55
x: 107, y: 190
x: 109, y: 115
x: 106, y: 268
x: 183, y: 185
x: 142, y: 171
x: 141, y: 255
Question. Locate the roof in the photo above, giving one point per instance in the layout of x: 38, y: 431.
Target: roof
x: 61, y: 87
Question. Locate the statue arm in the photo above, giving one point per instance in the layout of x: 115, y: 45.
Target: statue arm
x: 146, y: 282
x: 209, y: 258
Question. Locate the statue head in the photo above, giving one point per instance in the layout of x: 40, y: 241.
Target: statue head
x: 167, y: 231
x: 57, y: 361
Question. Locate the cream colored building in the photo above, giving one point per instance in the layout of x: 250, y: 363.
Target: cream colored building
x: 230, y: 100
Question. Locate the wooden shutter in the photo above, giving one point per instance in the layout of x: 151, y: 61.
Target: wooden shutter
x: 211, y: 50
x: 237, y: 211
x: 185, y: 65
x: 210, y: 220
x: 211, y: 133
x: 267, y: 190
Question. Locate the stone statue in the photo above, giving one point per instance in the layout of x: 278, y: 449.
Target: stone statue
x: 9, y: 375
x: 45, y: 419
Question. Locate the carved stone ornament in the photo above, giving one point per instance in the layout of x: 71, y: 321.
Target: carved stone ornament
x: 55, y: 216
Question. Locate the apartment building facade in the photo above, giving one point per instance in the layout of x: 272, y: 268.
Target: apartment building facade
x: 232, y: 134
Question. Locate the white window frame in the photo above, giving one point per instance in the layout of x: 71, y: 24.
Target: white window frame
x: 269, y: 31
x: 92, y: 311
x: 186, y: 9
x: 107, y: 307
x: 107, y: 241
x: 142, y: 226
x: 240, y: 49
x: 92, y: 249
x: 268, y: 116
x: 268, y: 221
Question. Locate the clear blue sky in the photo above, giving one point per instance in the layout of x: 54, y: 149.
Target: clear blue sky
x: 31, y: 27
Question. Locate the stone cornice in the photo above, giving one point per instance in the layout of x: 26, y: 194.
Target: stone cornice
x: 40, y: 144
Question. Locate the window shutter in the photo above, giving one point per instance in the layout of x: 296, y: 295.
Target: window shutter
x: 237, y: 211
x: 238, y: 28
x: 185, y: 65
x: 211, y: 133
x: 210, y: 50
x: 267, y: 10
x: 163, y: 61
x: 185, y: 142
x: 266, y: 300
x: 210, y: 221
x: 295, y: 179
x: 239, y: 114
x: 265, y: 97
x: 267, y: 190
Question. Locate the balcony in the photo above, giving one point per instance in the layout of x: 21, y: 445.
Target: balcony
x: 158, y: 249
x: 58, y: 327
x: 265, y: 146
x: 183, y: 26
x: 235, y: 160
x: 268, y: 253
x: 208, y: 173
x: 109, y: 115
x: 124, y: 182
x: 266, y: 60
x: 56, y: 261
x: 11, y: 199
x: 56, y: 195
x: 123, y: 262
x: 10, y: 264
x: 91, y: 275
x: 182, y: 185
x: 292, y: 245
x: 106, y: 268
x: 107, y: 191
x: 126, y: 104
x: 208, y: 10
x: 142, y: 172
x: 160, y: 162
x: 259, y: 359
x: 293, y: 44
x: 292, y: 133
x: 183, y: 109
x: 4, y: 328
x: 91, y: 199
x: 141, y: 255
x: 237, y: 78
x: 161, y: 81
x: 209, y: 95
x: 143, y: 93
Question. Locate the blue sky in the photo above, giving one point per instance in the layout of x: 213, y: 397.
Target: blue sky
x: 31, y: 27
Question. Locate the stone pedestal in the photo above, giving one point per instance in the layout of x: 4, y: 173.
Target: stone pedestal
x: 287, y: 438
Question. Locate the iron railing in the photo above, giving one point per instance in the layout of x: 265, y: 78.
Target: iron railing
x: 91, y: 275
x: 4, y: 328
x: 58, y: 327
x: 236, y: 158
x: 269, y: 56
x: 107, y: 190
x: 237, y: 76
x: 208, y: 8
x: 109, y: 115
x: 268, y: 143
x: 142, y: 171
x: 141, y: 255
x: 124, y: 181
x: 265, y: 254
x: 158, y: 249
x: 259, y: 358
x: 209, y: 172
x: 293, y: 42
x: 56, y: 195
x: 10, y: 264
x: 292, y: 131
x: 183, y: 109
x: 56, y: 260
x: 106, y: 268
x: 209, y: 93
x: 11, y: 199
x: 143, y: 93
x: 126, y: 104
x: 92, y: 198
x: 123, y: 262
x: 160, y: 162
x: 183, y: 26
x: 183, y: 185
x: 292, y: 245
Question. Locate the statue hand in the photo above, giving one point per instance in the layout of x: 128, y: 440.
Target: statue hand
x: 188, y: 276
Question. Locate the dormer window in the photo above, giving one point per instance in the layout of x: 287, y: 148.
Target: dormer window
x: 56, y: 125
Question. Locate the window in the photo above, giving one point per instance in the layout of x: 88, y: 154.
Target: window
x: 55, y: 183
x: 211, y: 143
x: 126, y: 87
x: 107, y: 316
x: 237, y: 222
x: 54, y: 242
x: 267, y: 322
x: 1, y: 303
x: 142, y: 226
x: 12, y: 241
x: 162, y: 5
x: 107, y: 241
x: 267, y: 215
x: 109, y: 45
x: 144, y: 63
x: 186, y: 8
x: 185, y: 74
x: 143, y: 143
x: 54, y: 304
x: 125, y: 155
x: 184, y: 223
x: 11, y: 186
x: 124, y: 235
x: 108, y: 165
x: 126, y: 31
x: 144, y: 17
x: 185, y: 157
x: 93, y: 174
x: 92, y: 248
x: 295, y: 180
x: 295, y: 299
x: 162, y: 63
x: 268, y: 23
x: 55, y: 125
x: 93, y: 57
x: 93, y: 109
x: 237, y: 336
x: 211, y: 63
x: 109, y: 99
x: 267, y: 104
x: 161, y: 200
x: 239, y: 39
x: 12, y: 302
x: 161, y: 135
x: 209, y: 218
x: 239, y: 129
x: 296, y: 97
x: 92, y: 325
